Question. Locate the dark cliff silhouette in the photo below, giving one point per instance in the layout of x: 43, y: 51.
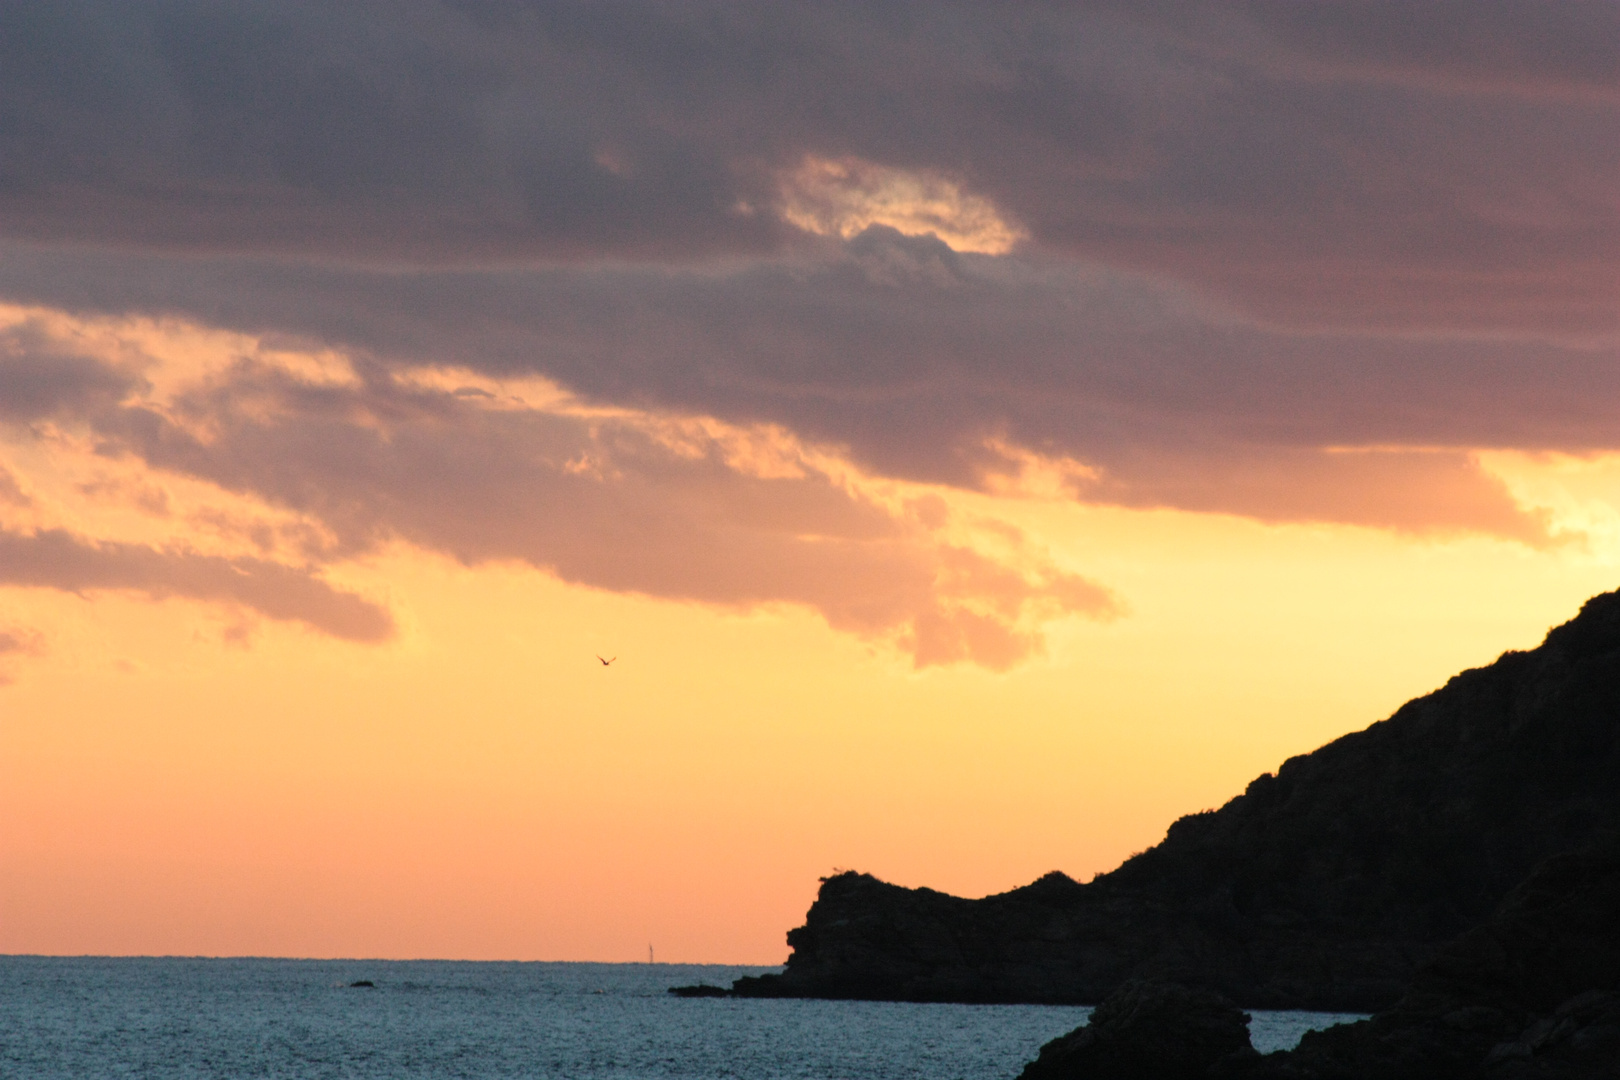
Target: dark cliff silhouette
x: 1148, y: 1031
x: 1531, y: 994
x: 1324, y: 886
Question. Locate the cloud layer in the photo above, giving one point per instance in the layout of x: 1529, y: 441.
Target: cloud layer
x: 1293, y: 262
x: 913, y: 357
x: 682, y: 509
x: 1345, y: 162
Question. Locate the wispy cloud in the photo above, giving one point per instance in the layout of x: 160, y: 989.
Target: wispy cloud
x: 625, y: 501
x: 661, y: 504
x: 16, y: 641
x: 57, y: 559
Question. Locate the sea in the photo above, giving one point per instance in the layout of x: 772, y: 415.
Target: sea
x: 97, y: 1018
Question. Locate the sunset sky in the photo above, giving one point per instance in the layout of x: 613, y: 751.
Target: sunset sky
x: 981, y: 434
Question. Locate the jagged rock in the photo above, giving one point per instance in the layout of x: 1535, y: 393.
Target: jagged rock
x: 1148, y: 1031
x: 1324, y: 886
x: 1532, y: 993
x: 1581, y: 1038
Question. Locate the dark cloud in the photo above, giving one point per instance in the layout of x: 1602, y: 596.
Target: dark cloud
x: 57, y: 559
x: 370, y: 129
x: 913, y: 356
x: 1520, y: 47
x: 1439, y: 165
x: 40, y: 377
x: 1292, y: 261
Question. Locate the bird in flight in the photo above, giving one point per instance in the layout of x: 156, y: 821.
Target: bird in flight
x: 608, y: 661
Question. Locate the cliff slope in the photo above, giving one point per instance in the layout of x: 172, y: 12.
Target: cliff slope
x: 1532, y: 992
x: 1323, y: 886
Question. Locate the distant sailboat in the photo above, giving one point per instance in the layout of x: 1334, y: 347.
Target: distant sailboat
x: 649, y: 953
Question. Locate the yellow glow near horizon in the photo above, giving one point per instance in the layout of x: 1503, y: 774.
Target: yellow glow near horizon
x: 483, y: 788
x: 175, y: 778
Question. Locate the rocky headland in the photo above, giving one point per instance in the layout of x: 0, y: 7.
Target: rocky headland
x: 1328, y: 885
x: 1531, y: 994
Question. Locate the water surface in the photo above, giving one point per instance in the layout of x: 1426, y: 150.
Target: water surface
x: 190, y: 1019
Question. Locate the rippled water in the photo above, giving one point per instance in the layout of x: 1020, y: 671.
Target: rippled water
x: 183, y: 1018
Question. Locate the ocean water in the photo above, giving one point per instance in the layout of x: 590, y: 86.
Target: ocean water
x: 190, y: 1019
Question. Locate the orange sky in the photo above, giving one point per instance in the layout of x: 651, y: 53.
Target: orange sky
x: 186, y: 776
x: 981, y: 435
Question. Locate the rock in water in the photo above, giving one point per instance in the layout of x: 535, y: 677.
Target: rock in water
x: 1324, y: 886
x: 1148, y: 1031
x: 698, y: 990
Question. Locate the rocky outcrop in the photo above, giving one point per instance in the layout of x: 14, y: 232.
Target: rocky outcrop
x: 1532, y: 994
x: 699, y: 990
x: 867, y: 939
x: 1148, y: 1031
x: 1323, y: 886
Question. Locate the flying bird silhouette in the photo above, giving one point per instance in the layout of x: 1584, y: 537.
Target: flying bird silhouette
x: 606, y: 662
